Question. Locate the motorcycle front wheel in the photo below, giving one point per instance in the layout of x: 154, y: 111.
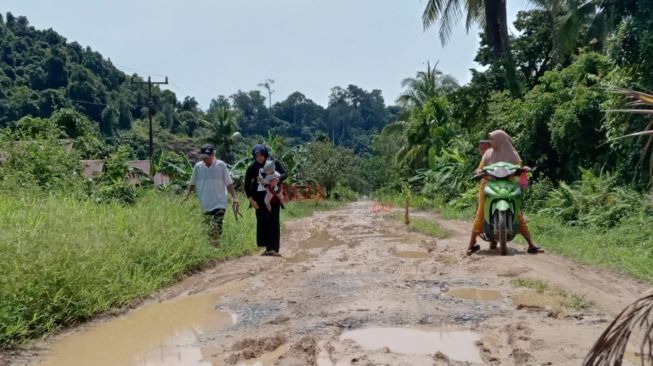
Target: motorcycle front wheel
x: 503, y: 232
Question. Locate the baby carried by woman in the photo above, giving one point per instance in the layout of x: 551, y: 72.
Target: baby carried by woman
x: 266, y: 176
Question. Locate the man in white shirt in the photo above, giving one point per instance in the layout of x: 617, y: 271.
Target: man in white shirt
x: 211, y: 180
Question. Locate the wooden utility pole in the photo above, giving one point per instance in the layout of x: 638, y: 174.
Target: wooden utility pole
x: 150, y: 108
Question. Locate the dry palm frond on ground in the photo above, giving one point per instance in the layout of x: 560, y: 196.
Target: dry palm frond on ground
x: 609, y: 349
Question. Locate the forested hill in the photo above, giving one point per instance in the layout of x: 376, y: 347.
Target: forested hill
x: 40, y: 71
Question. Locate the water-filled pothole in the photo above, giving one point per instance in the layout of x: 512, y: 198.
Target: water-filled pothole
x: 159, y: 333
x: 300, y: 257
x: 320, y: 239
x: 475, y: 294
x: 459, y: 345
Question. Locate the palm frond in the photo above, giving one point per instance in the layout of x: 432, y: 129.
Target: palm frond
x: 637, y: 111
x: 450, y: 17
x: 636, y: 134
x: 638, y: 98
x: 475, y: 10
x: 431, y: 13
x: 609, y: 349
x: 394, y: 128
x: 644, y: 98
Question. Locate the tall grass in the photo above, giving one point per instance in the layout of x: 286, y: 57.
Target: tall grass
x: 424, y: 226
x: 625, y: 248
x: 64, y: 260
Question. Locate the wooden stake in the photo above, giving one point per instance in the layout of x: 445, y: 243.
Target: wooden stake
x: 407, y: 212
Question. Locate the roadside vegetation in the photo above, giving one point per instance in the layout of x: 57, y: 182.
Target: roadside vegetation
x: 553, y: 295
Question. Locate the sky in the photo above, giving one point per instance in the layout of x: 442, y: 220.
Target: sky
x: 217, y: 47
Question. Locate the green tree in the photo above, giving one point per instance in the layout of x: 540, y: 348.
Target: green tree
x: 224, y: 133
x: 427, y: 131
x: 426, y: 85
x: 327, y: 164
x: 303, y: 116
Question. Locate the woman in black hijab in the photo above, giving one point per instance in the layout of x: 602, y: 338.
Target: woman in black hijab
x: 268, y: 229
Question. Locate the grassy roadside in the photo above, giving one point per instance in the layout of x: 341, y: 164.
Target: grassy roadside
x: 65, y: 259
x: 424, y: 226
x: 299, y: 209
x: 626, y: 248
x: 558, y: 297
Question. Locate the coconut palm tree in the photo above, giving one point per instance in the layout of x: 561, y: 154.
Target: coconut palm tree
x: 581, y: 23
x: 490, y: 14
x: 223, y: 133
x: 426, y: 85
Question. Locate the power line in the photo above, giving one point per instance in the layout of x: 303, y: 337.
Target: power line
x: 180, y: 90
x: 102, y: 104
x: 138, y: 70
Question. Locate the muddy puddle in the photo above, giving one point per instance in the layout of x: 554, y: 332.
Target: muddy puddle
x: 475, y: 294
x: 301, y: 256
x: 166, y: 333
x: 320, y: 239
x: 459, y: 345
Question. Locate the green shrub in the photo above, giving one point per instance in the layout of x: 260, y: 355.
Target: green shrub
x: 344, y: 193
x: 44, y: 162
x: 537, y: 194
x: 595, y: 200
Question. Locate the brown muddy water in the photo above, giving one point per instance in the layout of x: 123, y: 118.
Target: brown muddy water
x: 156, y: 334
x: 475, y: 294
x: 459, y: 345
x: 320, y: 239
x: 300, y: 257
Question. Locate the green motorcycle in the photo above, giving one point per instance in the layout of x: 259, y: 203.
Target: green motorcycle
x: 503, y: 203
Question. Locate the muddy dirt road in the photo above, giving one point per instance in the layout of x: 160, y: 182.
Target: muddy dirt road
x: 355, y: 287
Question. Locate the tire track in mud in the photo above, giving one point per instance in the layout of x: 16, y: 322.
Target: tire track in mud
x: 355, y: 276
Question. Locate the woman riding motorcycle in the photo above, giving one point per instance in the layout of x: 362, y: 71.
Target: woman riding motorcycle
x: 502, y: 150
